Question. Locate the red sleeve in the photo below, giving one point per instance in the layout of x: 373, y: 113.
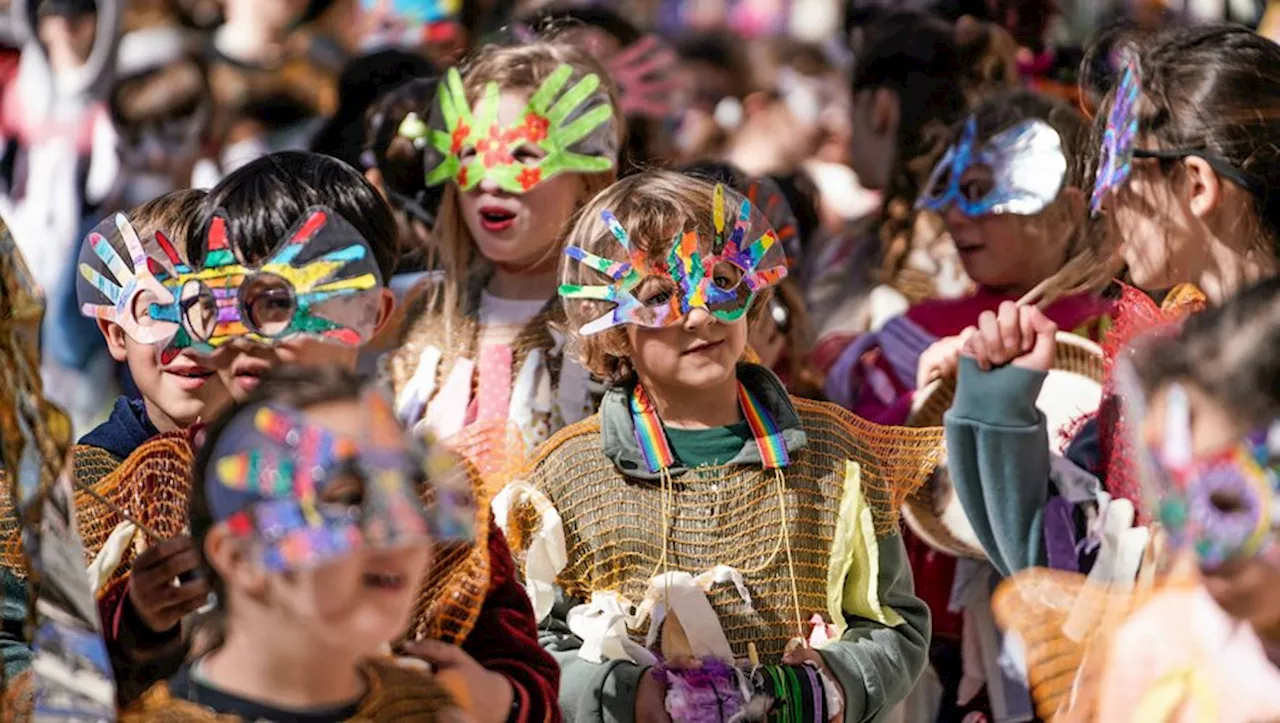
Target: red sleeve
x: 505, y: 639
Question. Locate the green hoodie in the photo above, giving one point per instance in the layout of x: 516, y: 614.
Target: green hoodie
x: 875, y: 664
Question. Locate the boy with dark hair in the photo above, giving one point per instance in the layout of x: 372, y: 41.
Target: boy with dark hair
x: 471, y: 604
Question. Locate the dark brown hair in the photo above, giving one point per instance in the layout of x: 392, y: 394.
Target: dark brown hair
x: 1214, y: 89
x: 937, y: 71
x: 396, y: 157
x: 1228, y: 351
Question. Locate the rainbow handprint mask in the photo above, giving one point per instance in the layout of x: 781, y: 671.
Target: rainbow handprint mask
x: 742, y: 262
x: 322, y: 282
x: 119, y: 268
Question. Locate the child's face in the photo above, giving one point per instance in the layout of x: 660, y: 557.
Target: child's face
x: 520, y: 230
x: 241, y: 366
x: 360, y: 601
x: 1154, y: 228
x: 1248, y: 589
x: 872, y: 144
x: 699, y: 353
x: 1006, y: 251
x: 179, y: 393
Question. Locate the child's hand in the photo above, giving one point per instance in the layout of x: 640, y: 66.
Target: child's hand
x: 805, y: 656
x: 490, y: 694
x: 158, y: 602
x: 940, y: 359
x: 1249, y: 590
x: 651, y: 700
x: 1021, y: 335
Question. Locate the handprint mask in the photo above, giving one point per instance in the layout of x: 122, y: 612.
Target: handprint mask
x: 322, y: 282
x: 116, y: 267
x: 741, y: 262
x: 307, y: 495
x: 567, y: 125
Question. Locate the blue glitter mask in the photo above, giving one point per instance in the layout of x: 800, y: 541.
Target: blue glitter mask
x: 1022, y: 171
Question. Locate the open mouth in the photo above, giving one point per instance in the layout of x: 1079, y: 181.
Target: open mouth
x: 384, y: 581
x: 495, y: 219
x: 701, y: 348
x: 249, y: 379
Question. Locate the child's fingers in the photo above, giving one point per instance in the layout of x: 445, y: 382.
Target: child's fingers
x: 440, y: 654
x: 163, y: 574
x: 1008, y: 320
x: 989, y: 330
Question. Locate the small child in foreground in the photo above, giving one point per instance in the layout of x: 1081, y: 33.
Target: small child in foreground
x: 306, y: 515
x: 748, y: 524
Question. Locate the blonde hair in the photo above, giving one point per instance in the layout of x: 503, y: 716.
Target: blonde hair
x: 521, y: 68
x: 654, y: 207
x: 173, y: 214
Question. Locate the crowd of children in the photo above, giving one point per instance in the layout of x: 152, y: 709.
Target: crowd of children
x: 579, y: 373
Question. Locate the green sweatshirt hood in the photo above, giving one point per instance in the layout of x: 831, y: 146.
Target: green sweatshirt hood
x: 618, y: 432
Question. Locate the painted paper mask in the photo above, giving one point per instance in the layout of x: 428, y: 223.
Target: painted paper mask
x: 409, y: 23
x: 309, y: 496
x: 566, y: 126
x: 647, y: 78
x: 322, y: 282
x: 1018, y: 171
x: 1223, y: 507
x: 117, y: 268
x: 742, y: 261
x: 1116, y: 162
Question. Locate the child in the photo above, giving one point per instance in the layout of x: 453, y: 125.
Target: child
x: 492, y: 325
x: 311, y: 577
x: 1211, y: 422
x: 914, y: 80
x: 792, y: 505
x: 1196, y: 211
x: 1009, y: 194
x: 162, y: 108
x: 471, y: 606
x: 1204, y: 643
x: 174, y: 396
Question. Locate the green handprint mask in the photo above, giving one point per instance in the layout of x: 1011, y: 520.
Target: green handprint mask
x: 567, y: 125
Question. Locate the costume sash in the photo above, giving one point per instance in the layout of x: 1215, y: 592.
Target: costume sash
x: 657, y: 449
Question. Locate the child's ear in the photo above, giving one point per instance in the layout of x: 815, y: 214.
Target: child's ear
x: 1203, y: 187
x: 885, y: 112
x: 230, y: 558
x: 115, y: 337
x: 386, y: 305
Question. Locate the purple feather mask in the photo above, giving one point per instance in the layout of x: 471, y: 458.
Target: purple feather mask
x: 1116, y: 162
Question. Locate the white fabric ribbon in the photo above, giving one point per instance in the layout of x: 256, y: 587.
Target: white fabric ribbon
x: 447, y: 413
x: 1116, y: 568
x: 602, y: 626
x: 547, y: 554
x: 422, y: 385
x: 686, y: 597
x: 108, y: 558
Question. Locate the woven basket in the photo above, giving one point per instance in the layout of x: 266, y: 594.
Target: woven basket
x: 1072, y: 390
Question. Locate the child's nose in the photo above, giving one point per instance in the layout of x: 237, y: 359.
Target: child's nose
x: 697, y: 318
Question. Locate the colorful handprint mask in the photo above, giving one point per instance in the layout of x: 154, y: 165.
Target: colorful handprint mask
x: 309, y: 496
x: 117, y: 268
x: 743, y: 260
x: 322, y: 282
x: 1223, y: 507
x: 1017, y: 171
x: 567, y: 125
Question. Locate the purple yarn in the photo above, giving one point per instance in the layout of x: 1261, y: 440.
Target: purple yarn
x: 706, y: 694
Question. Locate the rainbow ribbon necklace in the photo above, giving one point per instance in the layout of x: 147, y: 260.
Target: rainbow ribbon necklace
x: 657, y: 449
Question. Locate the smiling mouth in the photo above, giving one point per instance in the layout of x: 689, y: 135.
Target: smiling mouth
x: 701, y: 348
x: 384, y: 581
x: 494, y: 220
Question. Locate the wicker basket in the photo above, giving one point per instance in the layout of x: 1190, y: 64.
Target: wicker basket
x: 1072, y: 390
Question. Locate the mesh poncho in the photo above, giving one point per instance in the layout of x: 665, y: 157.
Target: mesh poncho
x: 731, y: 515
